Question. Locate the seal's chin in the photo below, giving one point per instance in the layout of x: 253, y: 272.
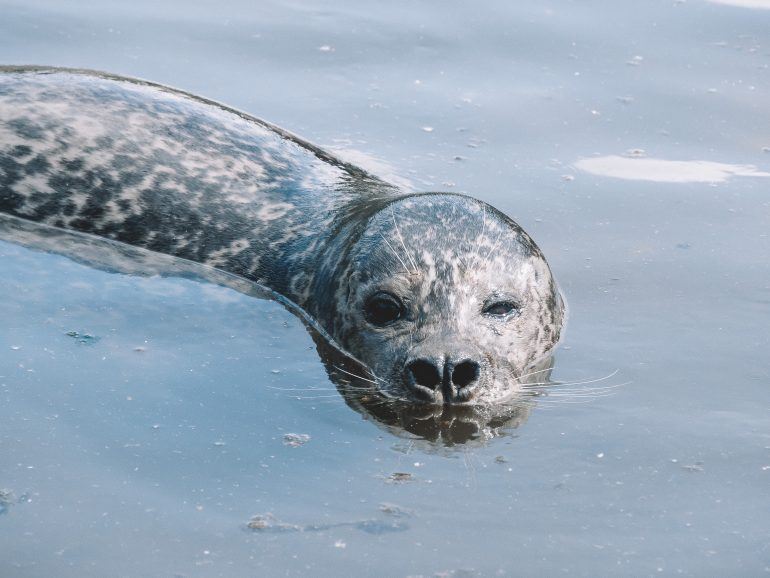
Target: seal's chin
x: 500, y: 404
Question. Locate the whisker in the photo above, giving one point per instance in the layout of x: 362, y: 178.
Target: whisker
x: 497, y: 242
x: 576, y: 395
x: 535, y: 372
x: 400, y: 238
x: 477, y: 253
x: 600, y: 389
x: 566, y: 383
x: 276, y: 388
x: 544, y: 401
x: 354, y: 375
x: 396, y: 254
x: 312, y: 397
x: 347, y: 386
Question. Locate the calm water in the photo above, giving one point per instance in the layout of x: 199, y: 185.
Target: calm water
x: 143, y: 419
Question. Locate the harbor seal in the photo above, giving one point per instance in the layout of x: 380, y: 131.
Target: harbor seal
x: 442, y: 297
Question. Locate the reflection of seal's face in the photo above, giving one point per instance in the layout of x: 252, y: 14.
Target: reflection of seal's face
x: 447, y: 301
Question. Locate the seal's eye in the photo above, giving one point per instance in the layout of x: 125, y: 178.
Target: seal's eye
x: 500, y: 308
x: 383, y: 308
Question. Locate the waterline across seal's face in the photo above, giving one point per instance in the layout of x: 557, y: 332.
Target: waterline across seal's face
x: 447, y: 300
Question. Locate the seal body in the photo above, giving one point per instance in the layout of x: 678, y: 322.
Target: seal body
x: 444, y: 298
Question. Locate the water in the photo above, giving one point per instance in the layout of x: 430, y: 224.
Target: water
x: 145, y: 443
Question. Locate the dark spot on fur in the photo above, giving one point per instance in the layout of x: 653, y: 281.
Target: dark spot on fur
x: 37, y: 165
x: 132, y: 231
x: 69, y: 209
x: 73, y: 165
x: 122, y: 162
x: 26, y: 128
x: 104, y: 142
x: 10, y: 171
x: 20, y: 151
x: 130, y: 179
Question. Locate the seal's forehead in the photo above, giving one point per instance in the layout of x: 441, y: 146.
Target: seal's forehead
x: 445, y: 226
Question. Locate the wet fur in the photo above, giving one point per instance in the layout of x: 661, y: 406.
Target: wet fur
x: 163, y: 170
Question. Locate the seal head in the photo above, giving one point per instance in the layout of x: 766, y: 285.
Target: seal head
x: 446, y: 300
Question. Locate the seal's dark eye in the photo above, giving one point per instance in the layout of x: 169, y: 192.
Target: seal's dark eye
x: 383, y: 308
x: 500, y: 308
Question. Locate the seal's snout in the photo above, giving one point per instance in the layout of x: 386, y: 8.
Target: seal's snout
x: 434, y: 380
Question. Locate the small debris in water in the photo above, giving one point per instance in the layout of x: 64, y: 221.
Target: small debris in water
x: 395, y: 510
x: 696, y: 467
x: 636, y: 153
x: 427, y: 128
x: 259, y: 522
x: 219, y: 443
x: 635, y: 61
x: 6, y: 498
x: 326, y: 48
x: 140, y: 349
x: 268, y: 523
x: 294, y: 440
x: 400, y: 477
x: 766, y: 149
x: 501, y: 460
x: 568, y: 178
x: 85, y: 338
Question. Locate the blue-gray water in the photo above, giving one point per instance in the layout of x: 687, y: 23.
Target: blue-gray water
x: 143, y: 443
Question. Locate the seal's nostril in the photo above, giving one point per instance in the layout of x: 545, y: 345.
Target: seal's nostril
x: 425, y: 373
x: 465, y: 373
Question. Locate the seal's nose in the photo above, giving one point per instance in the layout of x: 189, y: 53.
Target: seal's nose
x: 454, y: 381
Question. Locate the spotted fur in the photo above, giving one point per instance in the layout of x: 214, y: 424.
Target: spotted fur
x: 163, y: 170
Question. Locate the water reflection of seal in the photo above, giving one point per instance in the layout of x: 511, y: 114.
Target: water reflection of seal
x: 442, y: 297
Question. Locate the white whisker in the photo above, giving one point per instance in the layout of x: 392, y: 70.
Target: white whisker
x: 276, y: 388
x: 354, y: 375
x: 534, y: 372
x: 492, y: 250
x: 396, y: 254
x: 477, y: 253
x: 400, y: 238
x: 567, y: 383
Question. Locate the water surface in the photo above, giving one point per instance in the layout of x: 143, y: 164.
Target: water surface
x: 143, y: 419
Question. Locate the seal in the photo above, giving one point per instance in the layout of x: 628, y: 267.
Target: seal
x: 442, y: 297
